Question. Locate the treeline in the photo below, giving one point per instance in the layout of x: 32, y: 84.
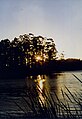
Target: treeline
x: 29, y: 54
x: 69, y: 64
x: 26, y: 51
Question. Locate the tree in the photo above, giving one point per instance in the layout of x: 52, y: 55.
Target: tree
x: 4, y: 52
x: 27, y: 50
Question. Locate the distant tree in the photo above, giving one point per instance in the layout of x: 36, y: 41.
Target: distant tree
x: 4, y: 52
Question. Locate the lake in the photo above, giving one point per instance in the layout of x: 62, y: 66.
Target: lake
x: 12, y: 91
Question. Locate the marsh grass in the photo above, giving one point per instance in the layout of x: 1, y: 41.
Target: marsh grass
x: 53, y: 108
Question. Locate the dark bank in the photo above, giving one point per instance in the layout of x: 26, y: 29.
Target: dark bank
x: 31, y: 55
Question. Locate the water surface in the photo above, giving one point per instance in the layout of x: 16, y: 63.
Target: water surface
x: 12, y: 90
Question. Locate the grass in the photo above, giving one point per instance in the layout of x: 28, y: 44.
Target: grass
x: 53, y: 108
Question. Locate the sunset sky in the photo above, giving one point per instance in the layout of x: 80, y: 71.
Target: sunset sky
x: 59, y: 19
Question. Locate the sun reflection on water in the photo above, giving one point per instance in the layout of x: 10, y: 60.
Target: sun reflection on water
x: 46, y: 85
x: 40, y: 82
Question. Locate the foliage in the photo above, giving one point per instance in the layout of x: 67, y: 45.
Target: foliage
x: 26, y: 50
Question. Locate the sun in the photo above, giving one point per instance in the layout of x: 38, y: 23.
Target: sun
x: 38, y: 58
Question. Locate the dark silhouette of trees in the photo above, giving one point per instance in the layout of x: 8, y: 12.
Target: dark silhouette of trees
x: 27, y: 50
x: 33, y: 54
x: 4, y: 52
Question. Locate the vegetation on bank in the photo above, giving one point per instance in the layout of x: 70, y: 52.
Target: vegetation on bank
x: 25, y: 54
x: 26, y: 50
x: 31, y: 54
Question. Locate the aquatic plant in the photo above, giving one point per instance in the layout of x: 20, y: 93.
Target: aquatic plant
x: 53, y: 108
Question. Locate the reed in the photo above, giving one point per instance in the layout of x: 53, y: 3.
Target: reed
x: 53, y: 108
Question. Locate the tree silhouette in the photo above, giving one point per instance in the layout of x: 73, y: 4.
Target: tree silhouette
x: 27, y: 50
x: 33, y: 53
x: 4, y: 53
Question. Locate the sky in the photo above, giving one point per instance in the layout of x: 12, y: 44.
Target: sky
x: 57, y: 19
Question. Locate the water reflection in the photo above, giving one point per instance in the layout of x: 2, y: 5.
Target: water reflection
x: 40, y: 82
x: 53, y: 83
x: 13, y: 89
